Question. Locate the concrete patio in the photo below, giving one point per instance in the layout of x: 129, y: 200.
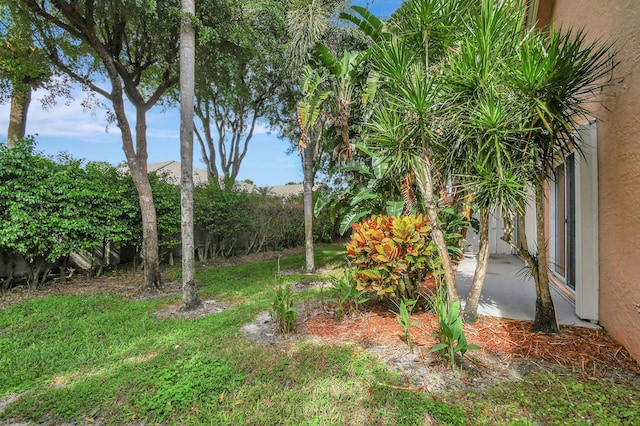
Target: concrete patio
x: 509, y: 292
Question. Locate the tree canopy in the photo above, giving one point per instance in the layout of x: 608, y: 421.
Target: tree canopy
x: 241, y: 80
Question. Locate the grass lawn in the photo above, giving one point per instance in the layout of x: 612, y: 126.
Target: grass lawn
x: 105, y: 359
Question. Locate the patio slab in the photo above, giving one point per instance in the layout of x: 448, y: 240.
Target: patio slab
x: 509, y: 292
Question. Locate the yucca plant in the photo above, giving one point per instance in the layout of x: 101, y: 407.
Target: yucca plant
x: 401, y: 131
x: 513, y: 99
x: 556, y: 76
x: 486, y: 119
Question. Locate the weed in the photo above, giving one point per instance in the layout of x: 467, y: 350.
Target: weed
x: 194, y: 380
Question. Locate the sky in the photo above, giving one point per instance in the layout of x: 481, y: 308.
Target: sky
x: 68, y: 127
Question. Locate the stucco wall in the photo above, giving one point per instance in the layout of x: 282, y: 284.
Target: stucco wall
x: 618, y: 163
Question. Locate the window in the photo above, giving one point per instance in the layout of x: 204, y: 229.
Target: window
x: 563, y: 220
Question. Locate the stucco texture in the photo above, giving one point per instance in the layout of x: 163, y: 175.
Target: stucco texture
x: 618, y: 128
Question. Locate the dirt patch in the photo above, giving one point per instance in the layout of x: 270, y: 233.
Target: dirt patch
x: 253, y: 257
x: 380, y: 334
x: 208, y: 307
x: 125, y: 281
x: 309, y: 285
x: 263, y: 330
x: 5, y: 401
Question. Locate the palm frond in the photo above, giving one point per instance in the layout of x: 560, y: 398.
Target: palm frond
x: 368, y: 23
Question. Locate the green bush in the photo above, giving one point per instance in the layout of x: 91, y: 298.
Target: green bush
x: 391, y: 255
x: 224, y: 216
x: 49, y: 209
x: 237, y: 222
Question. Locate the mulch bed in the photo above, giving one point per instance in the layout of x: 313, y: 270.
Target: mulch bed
x: 591, y: 352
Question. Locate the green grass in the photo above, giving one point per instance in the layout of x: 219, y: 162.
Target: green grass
x: 108, y: 359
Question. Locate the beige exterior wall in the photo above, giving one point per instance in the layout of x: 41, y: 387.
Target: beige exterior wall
x: 618, y: 135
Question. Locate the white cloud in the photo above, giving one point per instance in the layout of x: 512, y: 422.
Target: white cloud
x: 65, y: 119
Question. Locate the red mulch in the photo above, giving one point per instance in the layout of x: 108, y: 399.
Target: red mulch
x: 590, y: 351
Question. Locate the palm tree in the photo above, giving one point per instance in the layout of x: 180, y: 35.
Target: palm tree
x: 308, y: 21
x: 312, y: 120
x: 190, y: 299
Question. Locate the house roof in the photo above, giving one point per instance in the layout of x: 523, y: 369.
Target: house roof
x: 172, y: 168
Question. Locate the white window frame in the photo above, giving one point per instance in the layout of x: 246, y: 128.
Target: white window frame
x: 586, y: 267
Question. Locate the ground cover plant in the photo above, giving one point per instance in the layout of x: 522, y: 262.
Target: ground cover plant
x: 81, y: 353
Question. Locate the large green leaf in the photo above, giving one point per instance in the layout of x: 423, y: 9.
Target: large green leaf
x: 364, y: 195
x: 327, y: 59
x: 351, y: 218
x: 395, y: 208
x: 369, y: 24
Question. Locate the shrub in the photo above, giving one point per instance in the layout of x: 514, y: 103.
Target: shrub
x: 52, y: 208
x: 391, y: 255
x: 224, y: 216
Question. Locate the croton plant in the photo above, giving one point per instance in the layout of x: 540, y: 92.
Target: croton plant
x: 391, y: 255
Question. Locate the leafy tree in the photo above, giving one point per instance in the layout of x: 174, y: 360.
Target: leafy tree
x: 133, y: 44
x: 23, y: 68
x: 241, y: 81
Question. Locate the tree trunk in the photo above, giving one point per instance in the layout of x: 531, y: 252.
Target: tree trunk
x: 207, y: 149
x: 470, y: 314
x: 425, y: 183
x: 307, y: 184
x: 545, y: 318
x: 190, y: 299
x: 137, y: 162
x: 152, y: 280
x: 20, y: 100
